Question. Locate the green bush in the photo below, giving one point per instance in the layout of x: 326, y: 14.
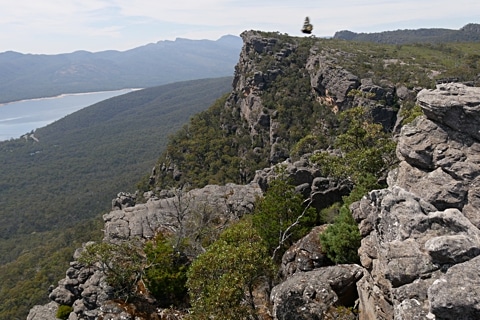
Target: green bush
x: 341, y: 240
x: 222, y: 281
x: 166, y: 272
x: 122, y: 265
x: 281, y: 218
x: 64, y: 311
x: 410, y: 112
x: 366, y: 150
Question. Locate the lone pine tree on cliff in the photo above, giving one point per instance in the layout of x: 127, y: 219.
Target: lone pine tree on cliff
x: 307, y: 26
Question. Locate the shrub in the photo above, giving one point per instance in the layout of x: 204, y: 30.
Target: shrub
x: 64, y: 311
x: 366, y: 150
x: 166, y: 272
x: 121, y: 263
x: 281, y: 218
x: 222, y: 281
x: 341, y: 240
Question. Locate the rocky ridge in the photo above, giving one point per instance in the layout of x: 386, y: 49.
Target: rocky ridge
x: 85, y: 288
x: 420, y: 236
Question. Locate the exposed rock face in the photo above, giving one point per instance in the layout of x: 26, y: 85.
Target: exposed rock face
x: 46, y: 312
x: 310, y: 295
x: 305, y: 255
x: 454, y: 105
x: 330, y: 80
x: 440, y: 154
x: 308, y: 180
x: 421, y: 235
x: 456, y: 295
x: 145, y: 220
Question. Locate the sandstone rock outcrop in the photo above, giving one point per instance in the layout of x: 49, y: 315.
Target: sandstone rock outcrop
x: 311, y: 295
x: 45, y: 312
x: 85, y: 289
x: 145, y: 220
x: 307, y: 179
x: 305, y: 255
x: 421, y: 237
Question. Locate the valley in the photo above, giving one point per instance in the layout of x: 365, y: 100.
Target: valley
x: 21, y: 117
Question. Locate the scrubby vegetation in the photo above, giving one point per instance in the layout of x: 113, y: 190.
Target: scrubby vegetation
x: 217, y: 146
x: 469, y: 33
x: 281, y: 217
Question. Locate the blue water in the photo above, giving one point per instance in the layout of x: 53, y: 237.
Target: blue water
x: 20, y: 117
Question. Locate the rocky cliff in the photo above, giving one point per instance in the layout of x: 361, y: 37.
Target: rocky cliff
x: 421, y: 237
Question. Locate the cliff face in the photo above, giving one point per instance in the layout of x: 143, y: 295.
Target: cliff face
x: 421, y: 240
x: 284, y: 89
x: 421, y: 237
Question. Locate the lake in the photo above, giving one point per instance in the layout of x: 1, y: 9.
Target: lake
x: 20, y: 117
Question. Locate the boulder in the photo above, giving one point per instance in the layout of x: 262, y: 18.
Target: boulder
x: 440, y: 165
x: 456, y: 294
x: 45, y: 312
x: 454, y: 105
x: 407, y: 240
x: 308, y: 180
x: 305, y: 255
x: 311, y: 295
x: 123, y: 200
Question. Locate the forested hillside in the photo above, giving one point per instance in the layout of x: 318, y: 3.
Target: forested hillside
x: 26, y: 76
x: 330, y: 104
x: 248, y: 212
x: 274, y: 111
x: 54, y: 190
x: 469, y: 33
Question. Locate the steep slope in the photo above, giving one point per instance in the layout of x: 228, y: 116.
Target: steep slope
x: 421, y: 235
x: 286, y: 88
x: 52, y: 187
x: 286, y: 95
x: 26, y: 76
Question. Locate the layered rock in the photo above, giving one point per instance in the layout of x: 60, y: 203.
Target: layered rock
x: 145, y: 220
x: 311, y: 295
x: 84, y: 287
x: 305, y: 255
x: 307, y: 179
x: 421, y: 237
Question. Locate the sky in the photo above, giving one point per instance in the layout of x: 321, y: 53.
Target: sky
x: 63, y: 26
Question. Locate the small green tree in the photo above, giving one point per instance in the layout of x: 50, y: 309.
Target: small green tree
x: 366, y: 149
x: 222, y: 281
x: 165, y: 273
x: 341, y: 240
x: 367, y: 152
x: 122, y: 265
x: 281, y: 217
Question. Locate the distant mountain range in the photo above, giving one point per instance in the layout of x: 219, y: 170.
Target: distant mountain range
x: 25, y: 76
x: 469, y: 33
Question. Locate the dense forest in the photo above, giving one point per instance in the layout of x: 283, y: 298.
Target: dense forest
x: 54, y: 191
